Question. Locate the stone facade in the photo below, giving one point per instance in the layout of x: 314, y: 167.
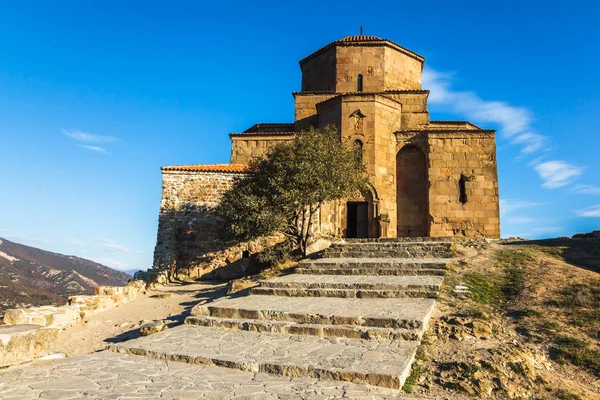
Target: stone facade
x: 428, y: 178
x: 188, y: 235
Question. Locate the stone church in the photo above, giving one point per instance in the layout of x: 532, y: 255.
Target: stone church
x: 428, y: 178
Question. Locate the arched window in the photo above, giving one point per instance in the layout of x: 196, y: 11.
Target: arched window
x: 360, y: 83
x: 358, y: 150
x: 462, y: 187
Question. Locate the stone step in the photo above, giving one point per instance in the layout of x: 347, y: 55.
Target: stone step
x: 399, y: 239
x: 391, y: 245
x: 379, y: 263
x: 397, y: 313
x: 371, y: 271
x: 379, y: 363
x: 340, y: 331
x: 394, y: 253
x: 346, y: 293
x: 295, y: 281
x: 389, y: 250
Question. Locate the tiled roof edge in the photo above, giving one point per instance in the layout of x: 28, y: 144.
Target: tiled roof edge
x: 262, y: 134
x: 229, y: 168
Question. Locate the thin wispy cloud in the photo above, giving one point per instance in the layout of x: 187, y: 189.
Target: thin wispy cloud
x: 515, y: 125
x: 589, y: 212
x: 87, y: 137
x: 74, y: 242
x: 110, y: 245
x: 95, y: 148
x: 556, y: 174
x: 586, y: 189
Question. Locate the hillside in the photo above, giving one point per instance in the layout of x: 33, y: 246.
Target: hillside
x: 516, y: 319
x: 31, y: 276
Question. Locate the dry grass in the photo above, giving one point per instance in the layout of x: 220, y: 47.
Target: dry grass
x: 542, y: 300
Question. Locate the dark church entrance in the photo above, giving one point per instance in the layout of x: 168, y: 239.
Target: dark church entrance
x: 358, y: 220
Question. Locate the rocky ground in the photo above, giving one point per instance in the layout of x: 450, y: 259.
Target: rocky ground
x: 515, y: 320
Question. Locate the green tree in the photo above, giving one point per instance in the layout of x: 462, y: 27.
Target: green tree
x: 285, y: 188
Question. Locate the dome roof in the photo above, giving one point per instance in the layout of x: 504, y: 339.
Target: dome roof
x: 359, y: 39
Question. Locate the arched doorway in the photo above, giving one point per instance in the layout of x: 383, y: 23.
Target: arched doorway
x: 412, y: 200
x: 359, y: 215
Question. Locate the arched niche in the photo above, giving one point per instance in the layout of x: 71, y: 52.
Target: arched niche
x: 412, y: 197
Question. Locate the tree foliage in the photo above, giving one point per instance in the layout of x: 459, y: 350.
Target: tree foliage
x: 287, y: 187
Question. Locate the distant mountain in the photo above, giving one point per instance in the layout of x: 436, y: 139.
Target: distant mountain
x: 30, y: 276
x: 131, y: 271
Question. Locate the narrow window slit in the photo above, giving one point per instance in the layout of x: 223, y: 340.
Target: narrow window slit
x: 462, y: 187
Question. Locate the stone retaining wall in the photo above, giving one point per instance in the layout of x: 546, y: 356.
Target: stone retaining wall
x: 62, y: 317
x: 30, y: 333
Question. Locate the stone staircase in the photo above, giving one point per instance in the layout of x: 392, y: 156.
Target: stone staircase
x: 374, y: 301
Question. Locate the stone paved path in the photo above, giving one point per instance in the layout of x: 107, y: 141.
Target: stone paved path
x: 372, y: 362
x: 108, y: 375
x: 291, y: 345
x: 338, y: 336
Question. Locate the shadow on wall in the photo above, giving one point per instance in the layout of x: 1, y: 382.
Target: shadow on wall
x: 583, y: 252
x: 190, y: 245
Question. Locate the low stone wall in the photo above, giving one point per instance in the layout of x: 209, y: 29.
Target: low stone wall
x: 30, y: 333
x: 21, y: 343
x: 78, y: 307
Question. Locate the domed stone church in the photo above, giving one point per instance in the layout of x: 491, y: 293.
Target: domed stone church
x: 428, y: 178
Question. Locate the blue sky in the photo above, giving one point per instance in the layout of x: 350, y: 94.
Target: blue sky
x: 96, y: 95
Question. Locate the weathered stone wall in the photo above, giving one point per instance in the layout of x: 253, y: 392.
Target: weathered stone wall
x: 368, y: 61
x: 402, y: 72
x: 247, y: 147
x: 414, y: 107
x: 318, y: 73
x: 471, y: 154
x: 188, y: 230
x: 305, y: 109
x: 383, y: 66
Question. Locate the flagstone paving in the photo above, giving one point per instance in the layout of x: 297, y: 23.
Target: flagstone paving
x: 337, y: 346
x: 107, y: 375
x: 382, y: 363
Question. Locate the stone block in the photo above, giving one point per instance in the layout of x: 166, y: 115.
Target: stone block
x: 22, y: 343
x: 15, y: 317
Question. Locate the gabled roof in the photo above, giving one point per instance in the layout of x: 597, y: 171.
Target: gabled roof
x: 232, y: 168
x: 366, y: 41
x: 454, y: 124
